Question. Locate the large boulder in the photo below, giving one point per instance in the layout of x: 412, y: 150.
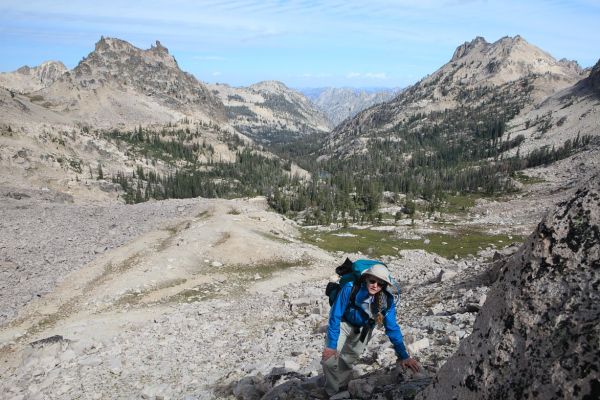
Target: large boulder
x: 537, y: 335
x: 594, y: 78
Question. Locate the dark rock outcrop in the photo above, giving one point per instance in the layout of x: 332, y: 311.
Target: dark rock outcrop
x: 594, y: 78
x: 537, y: 334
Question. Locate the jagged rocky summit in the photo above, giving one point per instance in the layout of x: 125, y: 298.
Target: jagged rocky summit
x: 120, y: 83
x: 537, y: 334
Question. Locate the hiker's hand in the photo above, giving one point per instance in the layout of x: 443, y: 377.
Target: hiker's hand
x: 410, y: 363
x: 328, y: 353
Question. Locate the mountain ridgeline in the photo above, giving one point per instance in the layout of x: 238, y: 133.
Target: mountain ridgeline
x: 133, y: 117
x: 492, y: 110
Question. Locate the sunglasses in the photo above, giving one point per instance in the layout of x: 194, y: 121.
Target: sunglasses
x: 376, y: 281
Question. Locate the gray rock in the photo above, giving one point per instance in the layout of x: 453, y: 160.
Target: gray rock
x: 115, y: 365
x: 248, y: 389
x: 291, y: 365
x: 341, y: 395
x: 538, y: 316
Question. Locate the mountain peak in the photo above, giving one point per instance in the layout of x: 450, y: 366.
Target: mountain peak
x: 107, y: 44
x: 116, y: 67
x: 28, y: 79
x: 270, y: 86
x: 466, y: 47
x: 114, y: 49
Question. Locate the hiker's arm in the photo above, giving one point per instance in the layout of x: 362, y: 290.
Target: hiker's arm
x: 335, y: 316
x: 392, y: 330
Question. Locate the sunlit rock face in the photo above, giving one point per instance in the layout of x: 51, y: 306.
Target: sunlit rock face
x: 537, y: 334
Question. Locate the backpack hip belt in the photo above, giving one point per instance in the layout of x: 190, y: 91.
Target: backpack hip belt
x: 363, y: 329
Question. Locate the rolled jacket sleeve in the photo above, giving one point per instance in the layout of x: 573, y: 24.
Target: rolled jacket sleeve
x: 392, y: 330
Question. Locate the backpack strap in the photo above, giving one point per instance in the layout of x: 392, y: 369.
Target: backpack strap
x: 389, y: 298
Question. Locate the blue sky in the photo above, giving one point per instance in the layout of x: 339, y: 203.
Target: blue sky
x: 304, y: 43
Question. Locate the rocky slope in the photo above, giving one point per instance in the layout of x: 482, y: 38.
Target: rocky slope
x: 118, y: 84
x: 342, y: 103
x: 52, y: 154
x: 567, y: 114
x: 536, y: 335
x: 27, y: 79
x: 218, y: 296
x: 55, y: 137
x: 504, y: 78
x: 270, y: 111
x: 18, y: 110
x: 203, y: 299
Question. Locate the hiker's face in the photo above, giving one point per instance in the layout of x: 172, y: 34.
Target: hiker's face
x: 374, y: 285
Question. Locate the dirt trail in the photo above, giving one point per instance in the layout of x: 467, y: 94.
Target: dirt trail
x: 226, y: 248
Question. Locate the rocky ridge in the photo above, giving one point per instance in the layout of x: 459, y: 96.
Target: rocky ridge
x: 270, y: 111
x: 119, y: 84
x: 509, y: 74
x: 29, y: 79
x: 569, y: 114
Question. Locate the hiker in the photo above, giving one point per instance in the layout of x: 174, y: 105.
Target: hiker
x: 351, y: 326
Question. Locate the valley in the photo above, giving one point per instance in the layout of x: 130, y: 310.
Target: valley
x: 165, y: 238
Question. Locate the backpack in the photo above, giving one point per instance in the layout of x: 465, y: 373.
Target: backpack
x: 351, y: 272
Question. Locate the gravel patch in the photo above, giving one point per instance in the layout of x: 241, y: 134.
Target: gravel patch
x: 42, y: 240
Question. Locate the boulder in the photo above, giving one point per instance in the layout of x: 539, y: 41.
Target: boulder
x: 536, y: 336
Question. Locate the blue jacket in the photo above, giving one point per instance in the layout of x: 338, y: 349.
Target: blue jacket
x: 358, y: 317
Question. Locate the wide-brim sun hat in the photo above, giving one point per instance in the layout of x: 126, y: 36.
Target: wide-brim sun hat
x: 380, y: 272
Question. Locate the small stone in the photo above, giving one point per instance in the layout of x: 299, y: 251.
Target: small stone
x: 482, y: 299
x: 447, y: 274
x: 419, y: 345
x: 115, y: 366
x: 100, y: 249
x: 216, y: 264
x: 291, y: 365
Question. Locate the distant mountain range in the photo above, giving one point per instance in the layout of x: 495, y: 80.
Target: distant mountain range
x: 342, y: 103
x: 510, y: 92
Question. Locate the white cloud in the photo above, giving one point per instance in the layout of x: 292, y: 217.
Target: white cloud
x: 216, y: 73
x: 351, y: 75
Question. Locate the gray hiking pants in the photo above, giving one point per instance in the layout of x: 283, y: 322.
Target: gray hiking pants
x: 338, y: 369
